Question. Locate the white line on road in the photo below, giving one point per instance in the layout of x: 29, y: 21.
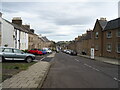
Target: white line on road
x: 116, y: 79
x: 77, y: 60
x: 42, y: 58
x: 91, y: 67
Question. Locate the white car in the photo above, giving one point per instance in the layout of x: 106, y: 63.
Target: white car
x: 47, y: 50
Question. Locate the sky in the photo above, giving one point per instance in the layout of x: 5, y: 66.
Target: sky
x: 60, y: 20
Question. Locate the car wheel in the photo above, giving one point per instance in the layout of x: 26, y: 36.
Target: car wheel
x: 29, y: 59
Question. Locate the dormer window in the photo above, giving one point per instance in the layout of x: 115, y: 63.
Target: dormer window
x: 109, y: 34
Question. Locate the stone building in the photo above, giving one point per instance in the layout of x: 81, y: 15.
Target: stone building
x: 111, y: 39
x: 0, y: 26
x: 98, y: 36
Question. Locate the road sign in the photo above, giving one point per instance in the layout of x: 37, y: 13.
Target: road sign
x: 92, y: 53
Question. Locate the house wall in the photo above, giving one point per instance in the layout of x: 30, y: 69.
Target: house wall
x: 7, y: 31
x: 114, y: 40
x: 97, y: 42
x: 0, y: 29
x: 23, y: 40
x: 30, y: 41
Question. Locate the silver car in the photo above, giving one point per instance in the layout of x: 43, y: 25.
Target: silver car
x: 15, y: 54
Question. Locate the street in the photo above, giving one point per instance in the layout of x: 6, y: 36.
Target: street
x: 77, y: 72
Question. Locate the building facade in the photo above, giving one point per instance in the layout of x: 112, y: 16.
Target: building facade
x: 111, y: 40
x: 98, y: 36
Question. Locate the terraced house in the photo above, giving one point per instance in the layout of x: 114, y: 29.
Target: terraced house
x: 13, y: 34
x: 104, y: 38
x: 97, y: 36
x: 111, y: 39
x: 0, y: 26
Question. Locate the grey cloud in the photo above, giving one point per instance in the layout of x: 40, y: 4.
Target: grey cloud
x: 73, y: 21
x: 45, y: 32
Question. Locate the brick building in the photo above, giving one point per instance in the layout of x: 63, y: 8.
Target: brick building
x: 111, y: 39
x: 98, y: 36
x: 105, y: 39
x: 0, y: 26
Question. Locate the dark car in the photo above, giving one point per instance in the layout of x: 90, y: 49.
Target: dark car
x: 73, y: 52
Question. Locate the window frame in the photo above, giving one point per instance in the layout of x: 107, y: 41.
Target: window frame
x: 117, y: 47
x: 96, y: 36
x: 96, y: 47
x: 118, y: 33
x: 107, y: 47
x: 107, y: 34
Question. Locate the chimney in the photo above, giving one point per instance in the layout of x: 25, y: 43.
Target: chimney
x: 0, y: 14
x: 103, y: 19
x: 32, y: 30
x: 17, y: 20
x: 27, y: 26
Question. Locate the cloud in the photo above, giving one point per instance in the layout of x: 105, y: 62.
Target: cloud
x: 60, y: 20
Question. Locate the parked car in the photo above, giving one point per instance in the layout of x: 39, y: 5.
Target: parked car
x: 73, y: 52
x: 35, y: 51
x: 68, y: 51
x: 64, y: 51
x: 43, y: 51
x: 47, y: 50
x: 15, y: 54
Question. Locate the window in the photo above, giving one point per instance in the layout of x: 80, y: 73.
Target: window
x: 96, y: 35
x: 118, y: 48
x: 109, y: 34
x: 96, y: 47
x: 17, y: 51
x: 118, y: 33
x: 1, y: 49
x: 7, y: 50
x: 109, y: 47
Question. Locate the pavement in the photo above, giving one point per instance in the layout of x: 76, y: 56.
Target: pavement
x: 30, y: 78
x: 104, y: 59
x: 70, y: 71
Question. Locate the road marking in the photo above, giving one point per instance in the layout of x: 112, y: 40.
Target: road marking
x: 77, y: 60
x: 116, y: 79
x: 42, y: 58
x: 95, y: 69
x: 91, y: 67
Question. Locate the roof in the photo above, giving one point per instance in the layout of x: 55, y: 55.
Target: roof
x: 102, y: 23
x: 22, y: 28
x: 45, y: 39
x: 113, y: 24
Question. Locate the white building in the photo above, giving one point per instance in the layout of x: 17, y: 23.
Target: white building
x: 14, y: 34
x: 7, y: 32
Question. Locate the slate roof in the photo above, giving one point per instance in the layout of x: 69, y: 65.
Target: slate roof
x: 113, y: 24
x: 45, y: 39
x: 102, y: 23
x: 21, y: 28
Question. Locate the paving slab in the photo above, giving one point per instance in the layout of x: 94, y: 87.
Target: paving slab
x: 33, y: 77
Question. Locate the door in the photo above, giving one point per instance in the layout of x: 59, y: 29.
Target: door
x: 8, y: 54
x: 19, y: 55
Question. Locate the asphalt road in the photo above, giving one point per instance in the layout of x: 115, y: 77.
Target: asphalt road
x: 77, y: 72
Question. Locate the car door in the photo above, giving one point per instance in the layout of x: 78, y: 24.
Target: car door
x: 19, y: 55
x: 8, y: 53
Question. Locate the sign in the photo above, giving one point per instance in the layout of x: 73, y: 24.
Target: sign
x: 92, y: 53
